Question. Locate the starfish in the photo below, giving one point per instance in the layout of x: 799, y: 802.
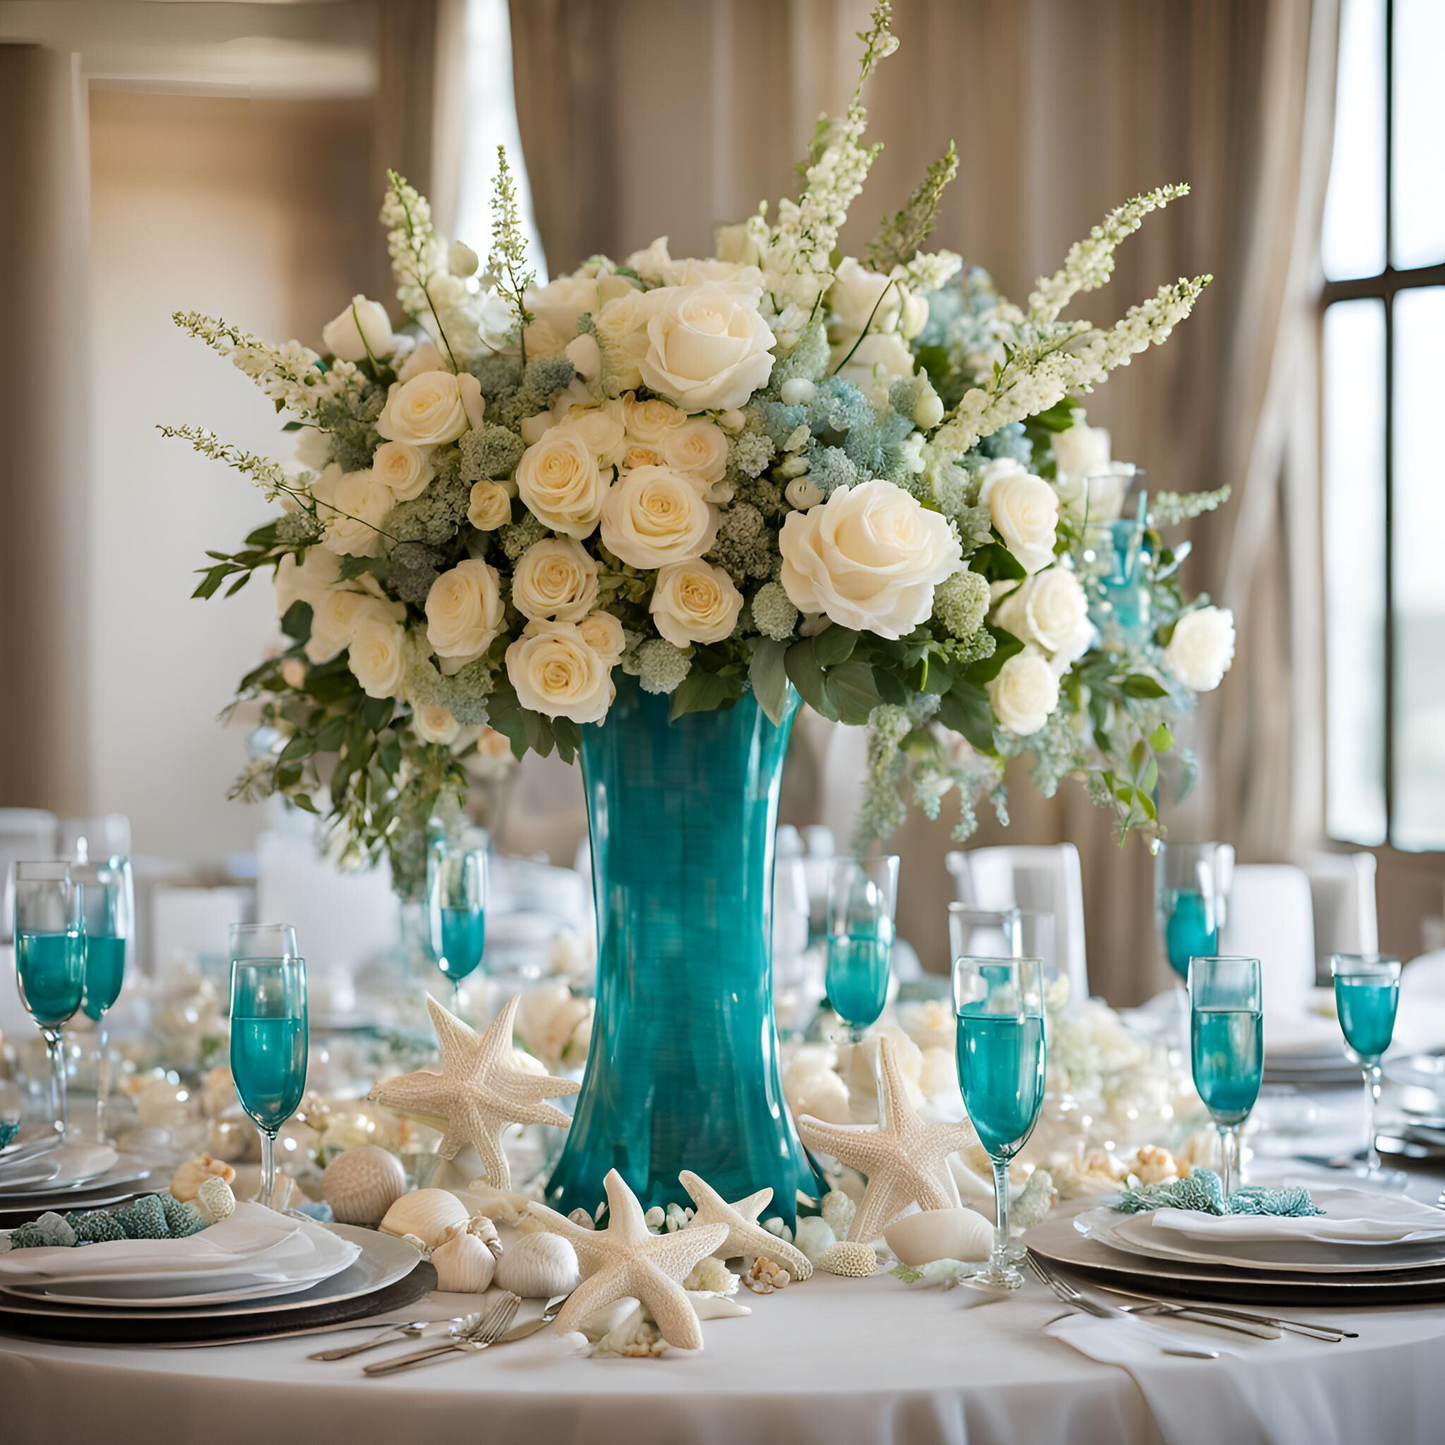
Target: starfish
x: 904, y: 1159
x: 479, y: 1092
x: 745, y: 1235
x: 627, y: 1259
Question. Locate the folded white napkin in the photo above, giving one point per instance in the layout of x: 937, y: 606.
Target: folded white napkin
x: 1351, y: 1216
x: 1131, y: 1343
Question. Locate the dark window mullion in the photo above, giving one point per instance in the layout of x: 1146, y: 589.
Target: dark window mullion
x: 1389, y: 303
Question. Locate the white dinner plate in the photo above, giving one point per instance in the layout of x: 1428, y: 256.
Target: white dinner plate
x: 1352, y: 1218
x: 75, y: 1165
x: 25, y: 1173
x: 98, y: 1194
x: 35, y: 1139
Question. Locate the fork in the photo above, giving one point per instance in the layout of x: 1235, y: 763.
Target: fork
x: 486, y: 1334
x: 394, y: 1334
x: 1332, y: 1333
x: 530, y: 1327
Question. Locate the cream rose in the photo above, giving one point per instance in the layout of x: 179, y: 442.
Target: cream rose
x: 699, y: 448
x: 426, y: 410
x: 695, y: 270
x: 378, y: 656
x: 490, y: 506
x: 555, y: 578
x: 880, y: 359
x: 602, y: 429
x: 738, y: 243
x: 1050, y: 609
x: 463, y: 613
x: 649, y: 263
x: 648, y: 422
x: 694, y: 602
x: 336, y: 616
x: 1082, y: 451
x: 306, y: 580
x: 361, y: 329
x: 424, y: 357
x: 1024, y: 509
x: 1202, y: 647
x: 1024, y: 693
x: 869, y: 558
x: 863, y: 300
x: 602, y: 632
x: 708, y: 348
x: 654, y: 516
x: 405, y: 468
x: 559, y: 480
x: 434, y: 723
x: 555, y: 672
x: 353, y: 511
x: 622, y: 335
x: 561, y: 302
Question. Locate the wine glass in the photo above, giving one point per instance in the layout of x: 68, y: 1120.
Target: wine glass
x: 268, y: 1048
x: 862, y: 896
x: 1189, y: 891
x: 457, y: 912
x: 105, y: 902
x: 984, y: 932
x: 1226, y: 1046
x: 1367, y: 993
x: 50, y: 962
x: 791, y: 997
x: 1002, y: 1057
x: 263, y: 940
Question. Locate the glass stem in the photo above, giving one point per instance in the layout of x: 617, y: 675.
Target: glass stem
x: 268, y: 1166
x: 1225, y: 1155
x: 102, y: 1080
x: 55, y: 1047
x: 998, y: 1264
x: 1372, y: 1099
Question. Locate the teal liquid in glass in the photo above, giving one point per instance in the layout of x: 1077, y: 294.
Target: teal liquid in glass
x: 1366, y: 1007
x: 464, y: 933
x: 857, y: 978
x: 1227, y: 1049
x: 268, y: 1063
x: 104, y: 972
x: 1189, y: 933
x: 1001, y: 1063
x: 51, y: 971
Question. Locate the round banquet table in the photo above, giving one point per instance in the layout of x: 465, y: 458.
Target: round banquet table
x: 828, y: 1361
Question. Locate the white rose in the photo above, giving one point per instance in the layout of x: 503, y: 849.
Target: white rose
x: 378, y: 656
x: 699, y: 448
x: 313, y: 448
x: 585, y: 356
x: 490, y: 506
x: 356, y: 508
x: 648, y: 422
x: 1025, y: 510
x: 561, y: 302
x: 694, y: 602
x: 559, y: 480
x: 914, y: 315
x: 293, y: 672
x: 556, y: 673
x: 1024, y: 693
x: 602, y: 632
x: 543, y: 339
x: 708, y: 346
x: 1082, y: 452
x: 856, y: 292
x: 463, y: 613
x: 692, y: 272
x: 622, y: 334
x: 1202, y: 647
x: 338, y: 614
x: 1049, y: 609
x: 649, y: 263
x: 868, y: 558
x: 306, y: 580
x: 555, y: 578
x: 434, y: 723
x: 425, y: 410
x: 362, y: 327
x: 880, y: 359
x: 422, y: 358
x: 654, y: 516
x: 405, y: 468
x: 602, y: 429
x: 737, y: 243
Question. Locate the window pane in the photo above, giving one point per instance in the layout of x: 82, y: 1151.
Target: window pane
x: 1419, y: 524
x: 1419, y: 198
x: 1354, y: 523
x: 1354, y: 238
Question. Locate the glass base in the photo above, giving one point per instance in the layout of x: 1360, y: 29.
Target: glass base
x: 1382, y: 1180
x: 1003, y: 1279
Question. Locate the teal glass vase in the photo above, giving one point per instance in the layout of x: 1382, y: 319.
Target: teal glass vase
x: 682, y: 1072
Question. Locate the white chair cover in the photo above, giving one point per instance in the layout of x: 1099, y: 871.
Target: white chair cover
x: 1271, y: 918
x: 1342, y: 887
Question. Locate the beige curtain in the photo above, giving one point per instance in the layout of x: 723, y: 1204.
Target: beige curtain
x: 660, y: 116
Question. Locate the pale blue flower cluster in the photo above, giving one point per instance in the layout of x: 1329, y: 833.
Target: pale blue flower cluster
x: 773, y: 612
x: 661, y: 667
x: 464, y: 694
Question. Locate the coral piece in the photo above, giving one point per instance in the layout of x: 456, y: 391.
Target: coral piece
x: 188, y: 1179
x: 426, y: 1214
x: 625, y: 1259
x: 710, y: 1276
x: 539, y: 1266
x: 361, y: 1184
x: 904, y: 1159
x: 480, y: 1091
x: 94, y: 1227
x: 638, y: 1336
x: 184, y: 1219
x: 838, y: 1210
x: 849, y: 1258
x: 814, y: 1235
x: 216, y: 1200
x: 1034, y: 1203
x: 50, y: 1231
x: 766, y: 1275
x: 745, y: 1235
x: 143, y: 1218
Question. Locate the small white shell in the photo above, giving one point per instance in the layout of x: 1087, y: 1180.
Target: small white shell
x: 839, y: 1210
x: 215, y: 1199
x: 940, y: 1234
x: 538, y: 1266
x: 850, y: 1259
x: 464, y: 1264
x: 814, y: 1236
x: 716, y: 1307
x: 361, y: 1184
x: 426, y: 1213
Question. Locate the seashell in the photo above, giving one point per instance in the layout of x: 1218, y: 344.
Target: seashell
x: 765, y: 1275
x: 361, y: 1184
x: 215, y: 1200
x: 538, y: 1266
x: 163, y: 1105
x: 187, y: 1180
x: 717, y: 1307
x: 464, y: 1264
x: 218, y: 1092
x: 482, y: 1228
x: 850, y: 1258
x: 939, y: 1234
x: 426, y: 1213
x: 581, y: 1219
x: 230, y: 1138
x: 711, y: 1276
x: 814, y: 1236
x: 839, y: 1210
x: 822, y: 1094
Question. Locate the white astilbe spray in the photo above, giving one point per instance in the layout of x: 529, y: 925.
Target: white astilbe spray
x: 1090, y: 262
x: 1148, y: 324
x: 417, y: 252
x: 275, y: 481
x: 929, y: 270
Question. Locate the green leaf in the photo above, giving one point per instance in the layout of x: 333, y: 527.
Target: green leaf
x: 1006, y: 645
x: 296, y: 624
x: 330, y: 734
x: 1161, y: 739
x: 239, y: 583
x: 997, y: 563
x: 303, y: 801
x: 699, y: 691
x: 809, y: 679
x: 538, y: 730
x: 891, y: 689
x: 834, y: 645
x: 965, y: 709
x: 852, y: 687
x: 769, y: 673
x: 377, y: 712
x: 1139, y: 684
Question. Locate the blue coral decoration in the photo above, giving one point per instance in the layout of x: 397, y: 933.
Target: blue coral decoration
x: 50, y: 1231
x: 143, y: 1218
x: 1203, y: 1191
x: 95, y: 1227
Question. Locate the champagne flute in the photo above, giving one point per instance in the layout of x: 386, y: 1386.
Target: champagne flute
x: 50, y: 962
x: 1367, y: 994
x: 268, y: 1048
x: 1189, y: 885
x: 263, y: 940
x: 105, y: 894
x: 1002, y: 1057
x: 984, y: 932
x: 457, y: 913
x: 1226, y: 1045
x: 862, y: 897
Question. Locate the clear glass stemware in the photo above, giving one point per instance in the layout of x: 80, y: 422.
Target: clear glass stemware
x: 457, y: 912
x: 106, y: 892
x: 862, y: 898
x: 1367, y: 996
x: 1226, y: 1047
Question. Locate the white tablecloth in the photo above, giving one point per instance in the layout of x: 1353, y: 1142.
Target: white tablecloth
x: 829, y: 1361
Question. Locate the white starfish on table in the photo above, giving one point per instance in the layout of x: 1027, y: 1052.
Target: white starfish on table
x: 745, y: 1235
x: 479, y: 1092
x: 904, y: 1159
x: 627, y: 1259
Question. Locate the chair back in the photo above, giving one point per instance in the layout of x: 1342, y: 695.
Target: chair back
x: 1271, y: 918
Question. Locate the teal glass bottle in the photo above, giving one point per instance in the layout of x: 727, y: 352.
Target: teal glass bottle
x: 683, y: 1068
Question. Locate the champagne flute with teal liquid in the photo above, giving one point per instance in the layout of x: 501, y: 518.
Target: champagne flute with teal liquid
x: 1190, y: 881
x: 105, y: 901
x: 862, y: 897
x: 1367, y: 995
x: 457, y: 913
x: 1226, y: 1047
x: 1002, y: 1060
x: 50, y: 962
x: 268, y: 1048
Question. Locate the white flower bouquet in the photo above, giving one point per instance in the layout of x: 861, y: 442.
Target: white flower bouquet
x: 867, y: 478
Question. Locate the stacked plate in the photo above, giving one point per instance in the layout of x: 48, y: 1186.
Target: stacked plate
x: 39, y: 1171
x: 1366, y: 1248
